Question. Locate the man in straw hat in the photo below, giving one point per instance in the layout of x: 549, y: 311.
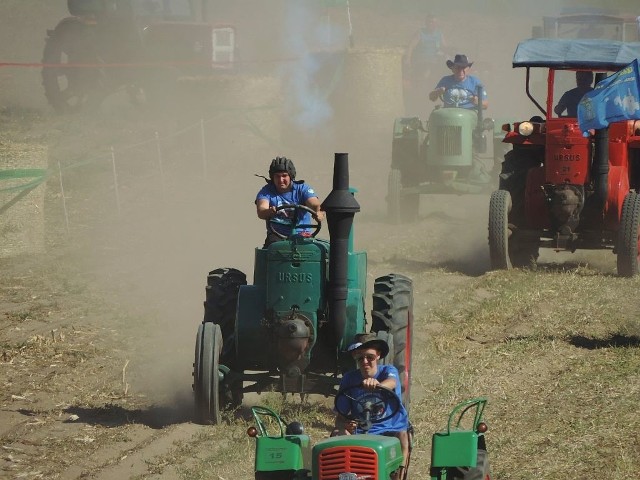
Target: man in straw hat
x: 367, y: 350
x: 461, y: 79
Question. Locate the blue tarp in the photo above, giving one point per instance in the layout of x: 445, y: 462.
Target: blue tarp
x: 614, y: 99
x: 575, y: 54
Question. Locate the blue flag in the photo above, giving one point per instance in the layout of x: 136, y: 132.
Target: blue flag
x: 612, y: 100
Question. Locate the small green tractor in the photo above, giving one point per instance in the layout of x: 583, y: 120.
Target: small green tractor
x: 289, y: 331
x: 142, y: 46
x: 283, y: 451
x: 447, y: 154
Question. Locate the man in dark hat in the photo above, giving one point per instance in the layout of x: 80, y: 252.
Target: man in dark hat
x: 367, y: 350
x: 460, y: 79
x: 283, y: 189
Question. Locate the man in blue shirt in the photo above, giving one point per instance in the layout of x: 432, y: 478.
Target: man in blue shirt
x: 283, y: 189
x: 367, y: 351
x: 465, y: 85
x: 419, y: 64
x: 569, y: 101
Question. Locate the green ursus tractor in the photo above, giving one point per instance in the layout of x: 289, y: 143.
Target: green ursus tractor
x: 288, y: 332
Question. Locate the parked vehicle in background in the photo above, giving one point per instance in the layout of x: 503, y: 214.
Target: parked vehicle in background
x: 143, y: 46
x: 584, y: 22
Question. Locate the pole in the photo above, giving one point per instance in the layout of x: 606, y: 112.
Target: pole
x: 64, y: 199
x: 115, y: 178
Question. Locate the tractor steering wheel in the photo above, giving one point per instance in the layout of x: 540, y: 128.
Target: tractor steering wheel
x: 291, y: 220
x: 453, y: 97
x: 372, y: 406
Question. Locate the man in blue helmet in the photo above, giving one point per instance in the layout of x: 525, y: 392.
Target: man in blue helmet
x: 283, y: 189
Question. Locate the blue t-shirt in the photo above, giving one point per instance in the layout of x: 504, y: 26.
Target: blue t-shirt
x: 570, y: 101
x: 298, y: 195
x: 396, y: 423
x: 470, y: 84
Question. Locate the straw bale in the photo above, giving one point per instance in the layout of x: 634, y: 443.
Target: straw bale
x: 22, y: 225
x: 369, y: 96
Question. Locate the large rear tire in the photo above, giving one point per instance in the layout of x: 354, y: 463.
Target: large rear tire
x: 67, y: 88
x: 207, y: 373
x: 629, y: 236
x: 223, y: 285
x: 393, y: 312
x: 499, y: 208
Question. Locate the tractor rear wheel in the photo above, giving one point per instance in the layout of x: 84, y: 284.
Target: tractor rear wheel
x: 206, y: 373
x: 482, y: 470
x: 499, y: 232
x: 393, y: 312
x: 223, y: 285
x: 68, y: 88
x: 629, y: 236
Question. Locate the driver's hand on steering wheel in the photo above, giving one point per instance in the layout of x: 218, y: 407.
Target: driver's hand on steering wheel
x: 272, y: 212
x: 319, y: 216
x: 370, y: 383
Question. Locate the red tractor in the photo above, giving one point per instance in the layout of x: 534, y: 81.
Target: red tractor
x: 143, y: 46
x: 559, y: 188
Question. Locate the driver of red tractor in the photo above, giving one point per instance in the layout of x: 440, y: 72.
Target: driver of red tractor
x: 283, y: 189
x: 460, y: 80
x: 367, y: 351
x: 571, y: 98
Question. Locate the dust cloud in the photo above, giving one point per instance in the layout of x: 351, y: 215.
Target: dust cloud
x: 295, y: 94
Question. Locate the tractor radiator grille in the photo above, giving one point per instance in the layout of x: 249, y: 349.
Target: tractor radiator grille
x: 356, y: 460
x: 449, y: 140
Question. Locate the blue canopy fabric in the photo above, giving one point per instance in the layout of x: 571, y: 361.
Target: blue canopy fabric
x: 560, y: 53
x: 613, y: 100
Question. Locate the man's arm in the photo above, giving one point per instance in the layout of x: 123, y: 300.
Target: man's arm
x: 435, y: 94
x: 265, y: 212
x: 314, y: 204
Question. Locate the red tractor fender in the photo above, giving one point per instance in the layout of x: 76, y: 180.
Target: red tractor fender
x: 618, y: 189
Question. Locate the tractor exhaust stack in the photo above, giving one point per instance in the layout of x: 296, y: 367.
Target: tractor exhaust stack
x: 340, y: 207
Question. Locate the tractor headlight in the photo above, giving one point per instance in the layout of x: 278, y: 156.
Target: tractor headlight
x: 525, y: 129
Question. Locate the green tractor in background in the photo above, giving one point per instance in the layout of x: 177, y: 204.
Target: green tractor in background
x: 289, y: 331
x: 141, y: 46
x: 437, y: 156
x: 284, y: 451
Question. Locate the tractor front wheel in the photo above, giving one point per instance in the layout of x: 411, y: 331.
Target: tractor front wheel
x: 629, y: 236
x: 499, y: 232
x: 393, y: 312
x: 207, y: 373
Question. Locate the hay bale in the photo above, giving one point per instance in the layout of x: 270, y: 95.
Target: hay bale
x: 22, y: 224
x: 369, y: 95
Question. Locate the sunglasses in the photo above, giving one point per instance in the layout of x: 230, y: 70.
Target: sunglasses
x: 369, y: 358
